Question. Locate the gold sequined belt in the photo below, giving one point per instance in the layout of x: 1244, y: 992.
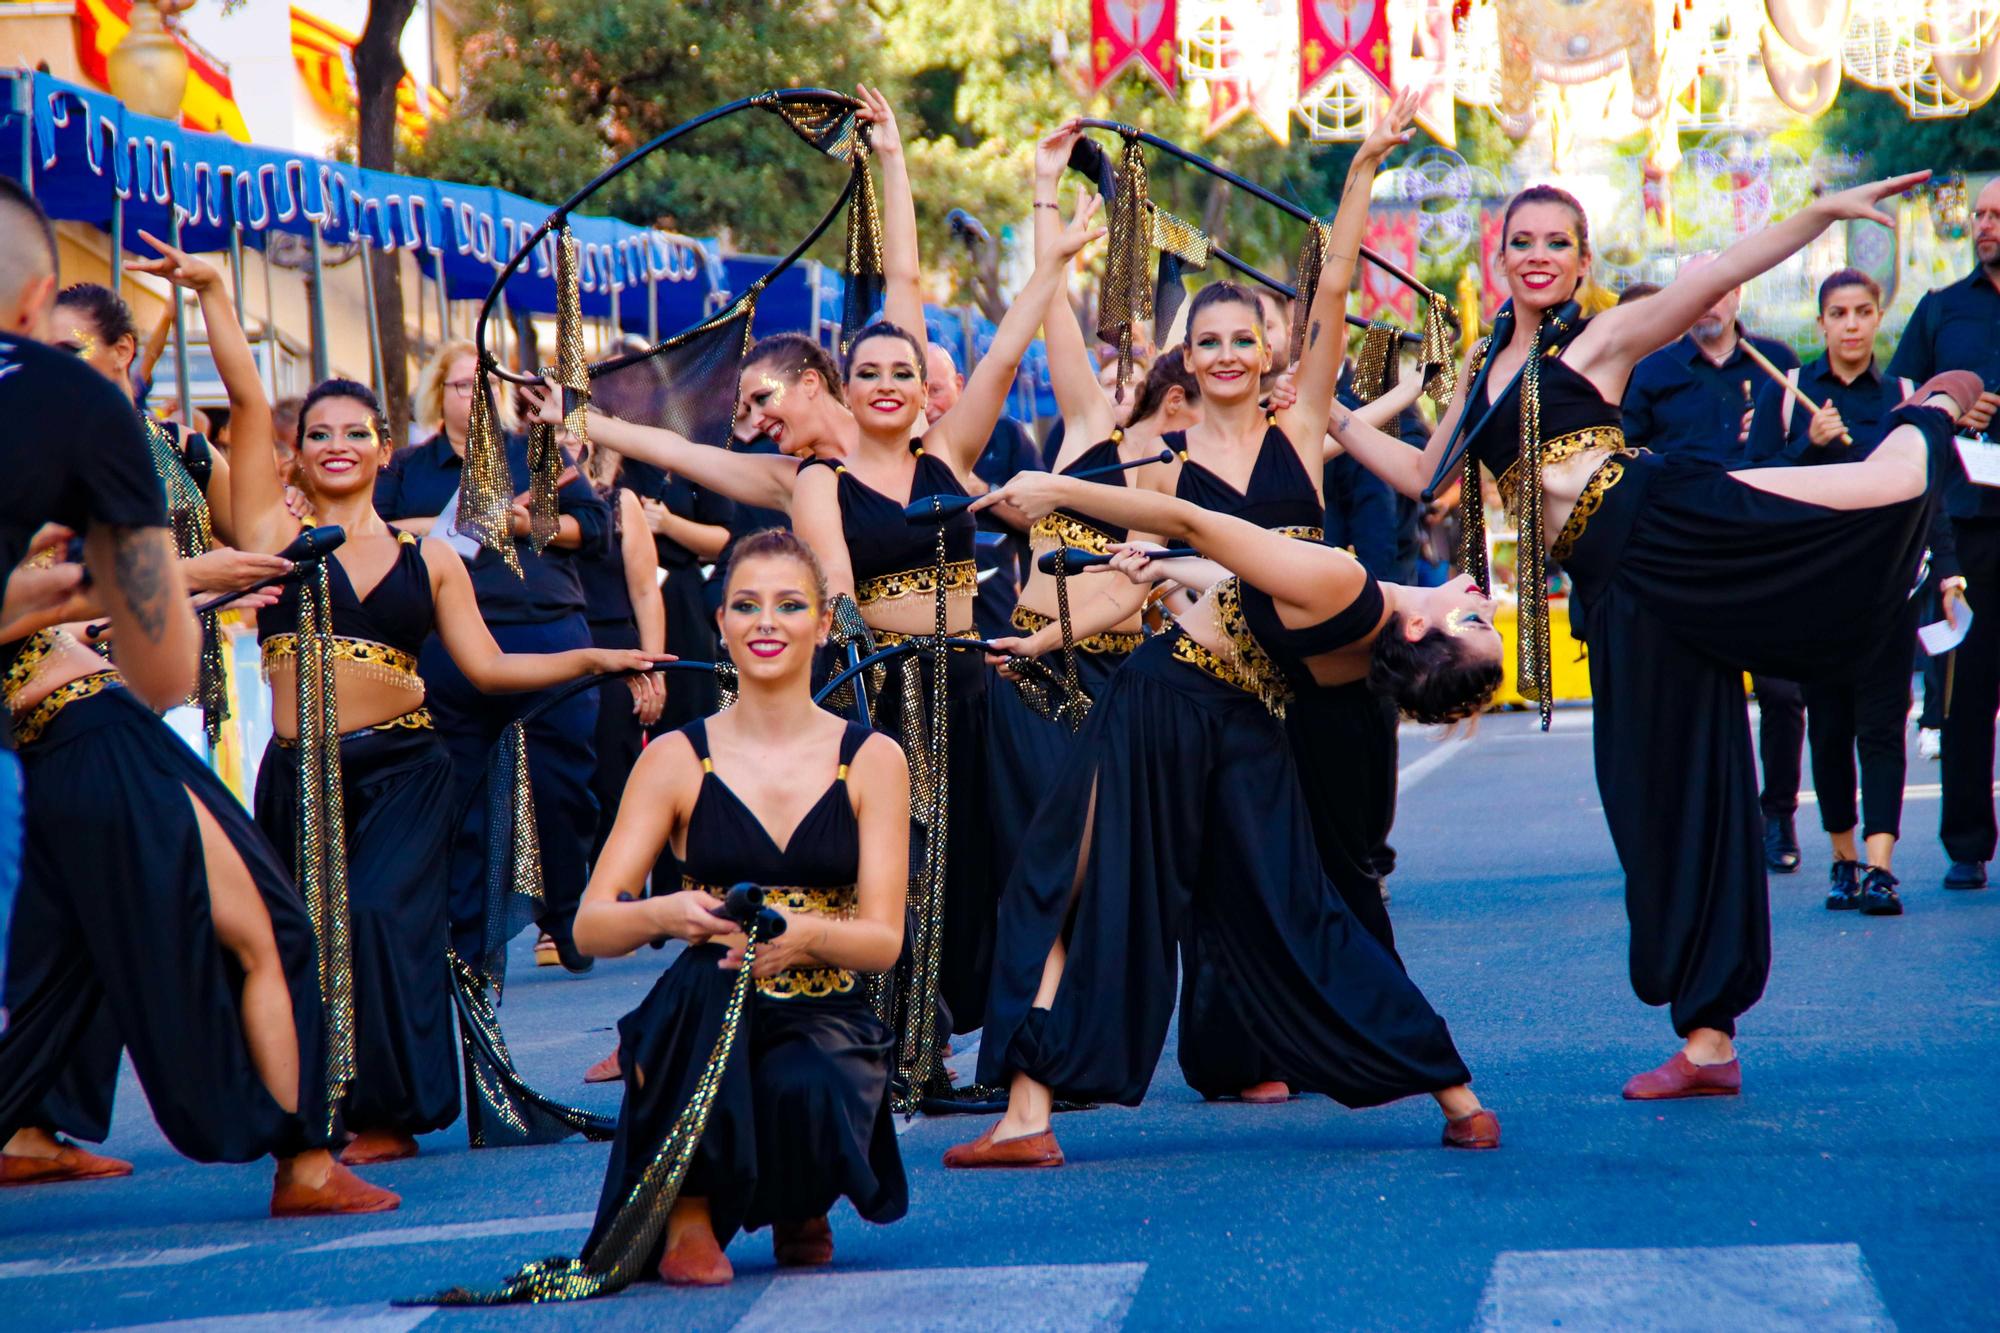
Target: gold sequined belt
x: 1110, y: 641
x: 29, y: 727
x: 812, y: 983
x: 1608, y: 474
x: 1559, y: 450
x: 378, y: 660
x: 1299, y: 532
x: 961, y: 579
x: 417, y: 719
x: 1063, y: 529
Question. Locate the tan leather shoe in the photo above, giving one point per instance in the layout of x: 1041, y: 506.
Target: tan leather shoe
x: 343, y: 1192
x: 69, y: 1163
x: 605, y: 1070
x: 1481, y: 1129
x: 1682, y: 1077
x: 374, y: 1146
x: 1265, y: 1094
x: 696, y: 1262
x: 802, y: 1244
x: 1025, y: 1152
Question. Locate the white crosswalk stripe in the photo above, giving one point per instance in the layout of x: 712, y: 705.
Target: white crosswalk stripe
x: 1770, y: 1288
x: 348, y: 1318
x: 1062, y: 1298
x: 103, y: 1263
x: 499, y: 1226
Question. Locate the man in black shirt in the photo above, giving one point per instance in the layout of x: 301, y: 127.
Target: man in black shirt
x: 1958, y: 328
x: 539, y: 611
x: 1694, y: 396
x: 1003, y: 542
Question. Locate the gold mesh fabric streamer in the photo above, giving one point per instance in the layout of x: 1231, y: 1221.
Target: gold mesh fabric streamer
x: 1377, y: 365
x: 620, y: 1256
x: 486, y: 488
x: 1435, y: 353
x: 501, y: 1110
x: 865, y: 283
x: 545, y: 455
x: 514, y: 895
x: 322, y: 828
x: 1125, y: 297
x: 1182, y: 246
x: 827, y: 126
x: 194, y: 535
x: 1471, y: 502
x: 1312, y: 259
x: 1531, y: 574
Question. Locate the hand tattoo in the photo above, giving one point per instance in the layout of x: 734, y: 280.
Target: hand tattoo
x: 140, y: 566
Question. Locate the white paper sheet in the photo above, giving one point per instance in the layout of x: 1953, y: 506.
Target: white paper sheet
x: 1944, y: 636
x: 446, y: 527
x: 1982, y: 461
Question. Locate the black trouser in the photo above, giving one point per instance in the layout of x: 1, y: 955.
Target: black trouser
x: 1966, y: 827
x: 1865, y: 713
x: 1781, y: 740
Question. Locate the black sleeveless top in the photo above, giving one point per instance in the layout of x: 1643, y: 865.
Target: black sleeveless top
x: 815, y: 871
x: 1574, y: 417
x: 398, y: 611
x: 1289, y: 648
x: 1280, y: 494
x: 883, y: 546
x: 1066, y: 525
x: 607, y: 598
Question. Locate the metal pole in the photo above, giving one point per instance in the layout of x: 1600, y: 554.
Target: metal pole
x: 117, y: 239
x: 180, y: 321
x: 444, y: 300
x: 817, y: 270
x: 316, y: 302
x: 617, y: 323
x: 381, y: 383
x: 273, y: 347
x: 506, y: 327
x: 24, y: 107
x: 652, y: 310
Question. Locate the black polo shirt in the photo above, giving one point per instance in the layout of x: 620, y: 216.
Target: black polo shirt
x: 1678, y: 401
x: 421, y: 479
x: 1956, y: 328
x: 1864, y: 406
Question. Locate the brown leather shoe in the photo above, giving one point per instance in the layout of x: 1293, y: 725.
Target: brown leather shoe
x: 1681, y: 1077
x: 69, y: 1163
x: 1026, y: 1151
x: 1265, y: 1094
x: 605, y: 1070
x: 698, y: 1261
x: 373, y: 1146
x: 802, y: 1244
x: 1481, y: 1129
x: 343, y: 1192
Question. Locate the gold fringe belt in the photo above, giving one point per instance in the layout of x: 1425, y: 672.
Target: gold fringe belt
x: 1246, y: 666
x: 1110, y: 641
x: 29, y: 728
x: 1060, y: 529
x: 1559, y: 450
x: 417, y: 719
x: 1299, y: 532
x: 1608, y: 474
x: 812, y: 983
x: 961, y: 579
x: 378, y: 661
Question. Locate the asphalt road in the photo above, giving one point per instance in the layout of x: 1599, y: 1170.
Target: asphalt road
x: 1852, y: 1186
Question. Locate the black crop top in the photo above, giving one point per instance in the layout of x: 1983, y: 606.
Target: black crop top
x: 1086, y: 532
x: 1289, y: 648
x: 1575, y: 417
x: 1280, y: 495
x: 398, y: 611
x: 891, y: 556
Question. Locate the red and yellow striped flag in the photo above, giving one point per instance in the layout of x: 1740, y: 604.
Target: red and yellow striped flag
x: 209, y: 102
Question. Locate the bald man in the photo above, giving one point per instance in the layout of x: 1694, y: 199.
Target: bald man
x: 1958, y: 328
x: 1003, y: 541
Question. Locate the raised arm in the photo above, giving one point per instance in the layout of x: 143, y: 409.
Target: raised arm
x: 465, y: 636
x: 1315, y: 578
x: 1325, y: 343
x: 1616, y: 340
x: 902, y: 272
x: 1086, y: 410
x: 257, y: 518
x: 1408, y: 471
x: 764, y: 480
x: 816, y: 518
x: 960, y: 434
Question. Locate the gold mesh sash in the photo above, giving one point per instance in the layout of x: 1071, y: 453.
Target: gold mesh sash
x: 1125, y: 297
x: 486, y: 487
x: 29, y: 727
x: 502, y: 1111
x: 545, y: 455
x: 1244, y: 664
x: 1312, y: 258
x: 1110, y: 641
x: 1377, y: 363
x: 194, y: 535
x: 961, y: 579
x: 1182, y: 246
x: 1435, y: 354
x: 1559, y: 450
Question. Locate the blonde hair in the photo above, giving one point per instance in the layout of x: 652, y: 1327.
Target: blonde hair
x: 429, y: 406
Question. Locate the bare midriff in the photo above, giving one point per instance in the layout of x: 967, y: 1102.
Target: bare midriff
x: 1038, y: 594
x: 68, y: 661
x: 916, y: 613
x: 363, y: 697
x: 1562, y: 483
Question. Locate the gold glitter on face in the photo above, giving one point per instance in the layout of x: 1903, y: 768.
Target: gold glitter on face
x: 81, y: 341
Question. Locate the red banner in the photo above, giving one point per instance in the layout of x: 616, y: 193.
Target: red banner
x: 209, y: 102
x: 1492, y: 281
x: 1392, y: 233
x: 1124, y: 32
x: 1331, y: 31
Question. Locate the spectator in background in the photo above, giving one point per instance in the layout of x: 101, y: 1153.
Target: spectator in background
x: 1001, y: 546
x: 1867, y: 711
x: 1694, y: 396
x: 1637, y: 291
x: 1958, y: 328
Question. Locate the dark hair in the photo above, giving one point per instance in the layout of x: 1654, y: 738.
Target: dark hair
x: 1222, y: 293
x: 107, y: 310
x: 1434, y: 679
x: 882, y: 328
x: 1549, y: 194
x: 340, y: 388
x: 795, y: 354
x: 1169, y: 372
x: 15, y: 196
x: 1848, y: 277
x: 1638, y: 291
x: 783, y: 543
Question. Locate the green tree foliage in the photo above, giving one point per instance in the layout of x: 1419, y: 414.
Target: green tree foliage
x: 1874, y: 128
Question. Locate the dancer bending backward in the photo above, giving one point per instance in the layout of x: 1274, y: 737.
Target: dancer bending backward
x: 775, y: 791
x: 1685, y: 575
x: 1178, y: 814
x: 388, y: 591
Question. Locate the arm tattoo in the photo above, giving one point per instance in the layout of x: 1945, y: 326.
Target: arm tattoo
x: 141, y: 571
x: 1312, y: 338
x: 1340, y: 426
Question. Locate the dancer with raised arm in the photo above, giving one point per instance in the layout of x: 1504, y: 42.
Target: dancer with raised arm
x: 1685, y: 575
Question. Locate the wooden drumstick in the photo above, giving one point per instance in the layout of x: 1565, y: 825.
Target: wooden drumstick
x: 1778, y: 376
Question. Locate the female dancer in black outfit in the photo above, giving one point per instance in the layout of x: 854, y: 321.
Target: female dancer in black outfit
x: 1685, y: 576
x: 801, y: 1117
x: 1178, y: 814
